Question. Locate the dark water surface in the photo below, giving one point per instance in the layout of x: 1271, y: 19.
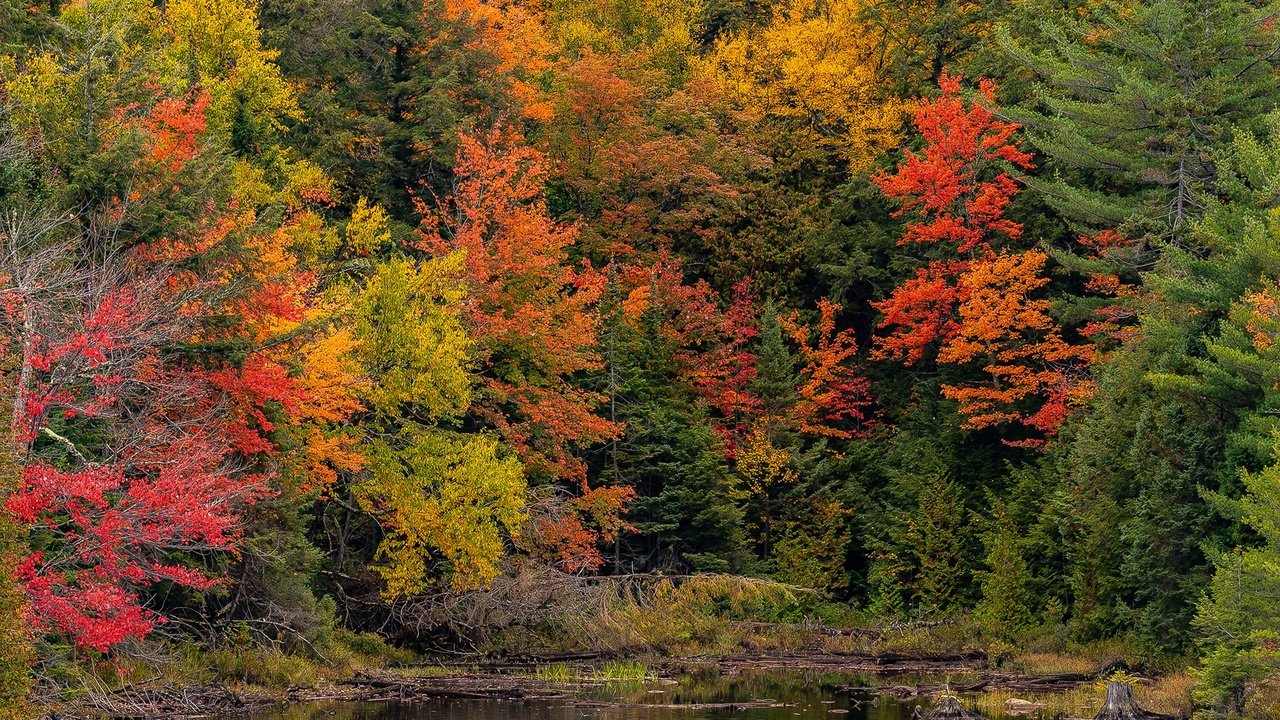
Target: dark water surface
x: 810, y: 696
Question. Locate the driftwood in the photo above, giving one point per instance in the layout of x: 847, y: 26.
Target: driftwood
x: 745, y: 705
x: 1120, y: 705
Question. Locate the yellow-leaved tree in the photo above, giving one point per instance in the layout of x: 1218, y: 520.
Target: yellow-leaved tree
x: 216, y: 46
x: 445, y: 499
x: 816, y: 68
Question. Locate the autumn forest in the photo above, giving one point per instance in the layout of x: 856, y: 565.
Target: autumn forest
x: 341, y: 332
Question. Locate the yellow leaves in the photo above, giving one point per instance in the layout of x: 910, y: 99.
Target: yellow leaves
x: 413, y: 340
x: 249, y: 185
x: 367, y: 231
x: 761, y: 465
x: 215, y: 44
x: 306, y: 183
x: 645, y: 35
x: 443, y: 497
x: 133, y: 47
x: 816, y: 68
x: 40, y: 91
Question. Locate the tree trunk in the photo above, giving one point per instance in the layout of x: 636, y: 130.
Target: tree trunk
x: 948, y: 707
x: 1120, y: 705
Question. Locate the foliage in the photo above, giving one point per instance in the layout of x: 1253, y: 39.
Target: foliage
x: 616, y: 323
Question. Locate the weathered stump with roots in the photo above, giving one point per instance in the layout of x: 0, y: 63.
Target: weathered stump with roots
x: 948, y: 707
x: 1120, y: 705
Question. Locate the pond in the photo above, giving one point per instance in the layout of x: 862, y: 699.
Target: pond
x: 767, y: 695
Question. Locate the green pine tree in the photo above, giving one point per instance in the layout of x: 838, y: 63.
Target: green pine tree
x: 1136, y: 99
x: 1005, y: 607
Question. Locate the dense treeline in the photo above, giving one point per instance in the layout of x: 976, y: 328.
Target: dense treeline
x: 313, y: 307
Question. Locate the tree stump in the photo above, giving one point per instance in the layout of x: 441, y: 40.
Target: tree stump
x: 948, y: 707
x: 1120, y: 705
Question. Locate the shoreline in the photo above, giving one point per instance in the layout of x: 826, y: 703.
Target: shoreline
x: 515, y: 680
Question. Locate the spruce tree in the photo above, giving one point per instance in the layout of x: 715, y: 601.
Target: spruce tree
x: 684, y: 513
x: 1135, y: 100
x: 1238, y: 619
x: 1005, y: 607
x: 937, y: 538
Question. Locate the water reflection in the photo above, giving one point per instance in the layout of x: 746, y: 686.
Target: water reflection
x: 807, y: 696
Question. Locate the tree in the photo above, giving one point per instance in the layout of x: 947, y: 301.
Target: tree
x: 531, y: 315
x: 437, y: 494
x: 1237, y: 618
x: 936, y: 540
x: 1005, y: 607
x: 974, y: 302
x: 815, y: 71
x: 411, y: 75
x: 1134, y: 103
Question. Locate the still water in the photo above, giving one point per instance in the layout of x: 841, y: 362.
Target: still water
x: 807, y: 695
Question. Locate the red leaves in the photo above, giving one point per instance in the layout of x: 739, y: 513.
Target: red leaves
x: 921, y: 312
x: 111, y: 531
x: 144, y: 432
x: 568, y: 532
x: 977, y: 305
x: 533, y: 317
x: 950, y: 183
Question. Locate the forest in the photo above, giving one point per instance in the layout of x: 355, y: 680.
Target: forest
x: 341, y: 331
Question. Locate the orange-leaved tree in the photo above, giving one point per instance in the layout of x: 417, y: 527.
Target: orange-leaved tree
x: 533, y: 318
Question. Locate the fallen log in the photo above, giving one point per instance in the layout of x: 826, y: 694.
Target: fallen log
x: 730, y: 706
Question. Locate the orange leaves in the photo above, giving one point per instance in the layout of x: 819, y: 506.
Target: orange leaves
x: 174, y: 127
x: 831, y: 392
x: 531, y: 314
x: 996, y: 304
x: 567, y: 531
x: 513, y: 31
x: 1263, y: 324
x: 1019, y: 343
x: 977, y: 305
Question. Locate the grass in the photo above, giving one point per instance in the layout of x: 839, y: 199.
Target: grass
x: 556, y: 672
x: 1084, y: 701
x: 1053, y: 663
x: 612, y: 671
x: 1169, y: 695
x: 618, y: 671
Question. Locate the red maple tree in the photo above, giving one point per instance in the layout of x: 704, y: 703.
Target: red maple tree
x: 975, y: 301
x: 141, y: 439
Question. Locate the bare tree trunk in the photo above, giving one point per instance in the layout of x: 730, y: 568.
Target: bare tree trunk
x: 948, y: 707
x: 1121, y: 705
